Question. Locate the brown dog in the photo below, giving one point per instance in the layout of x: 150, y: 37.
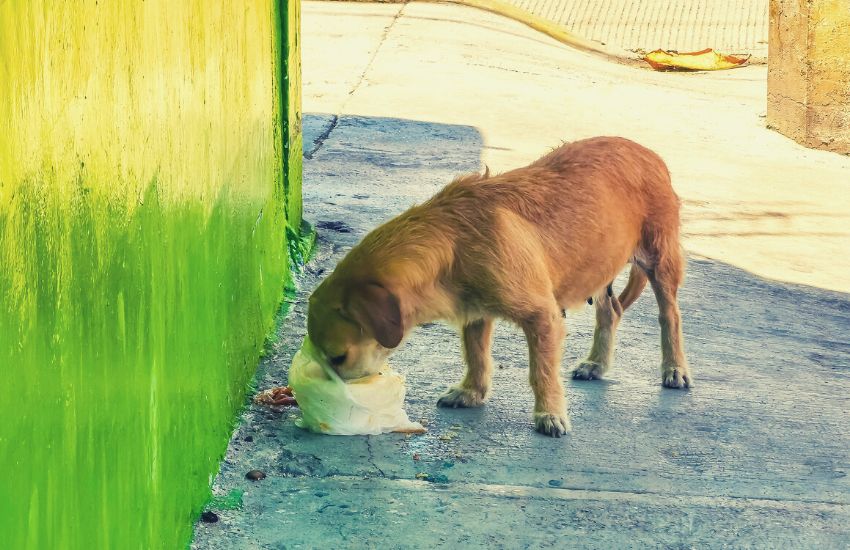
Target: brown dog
x: 522, y: 246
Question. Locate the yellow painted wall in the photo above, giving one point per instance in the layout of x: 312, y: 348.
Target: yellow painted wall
x: 809, y: 72
x: 143, y: 255
x: 829, y: 75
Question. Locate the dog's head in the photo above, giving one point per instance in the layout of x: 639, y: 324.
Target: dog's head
x: 355, y: 325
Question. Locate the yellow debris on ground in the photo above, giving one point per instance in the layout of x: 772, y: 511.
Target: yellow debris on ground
x: 704, y: 60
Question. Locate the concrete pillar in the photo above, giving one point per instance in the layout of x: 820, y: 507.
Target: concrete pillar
x: 808, y: 78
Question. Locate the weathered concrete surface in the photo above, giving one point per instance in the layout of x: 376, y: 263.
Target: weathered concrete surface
x: 755, y: 456
x: 752, y: 197
x: 809, y: 72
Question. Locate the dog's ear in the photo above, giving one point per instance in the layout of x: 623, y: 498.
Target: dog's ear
x: 377, y: 309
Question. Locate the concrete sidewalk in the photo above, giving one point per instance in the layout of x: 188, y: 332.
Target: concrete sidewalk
x: 755, y: 456
x: 400, y: 98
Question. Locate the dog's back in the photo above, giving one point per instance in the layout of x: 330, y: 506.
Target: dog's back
x: 586, y: 209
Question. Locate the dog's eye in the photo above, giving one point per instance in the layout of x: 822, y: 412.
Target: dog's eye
x: 338, y: 360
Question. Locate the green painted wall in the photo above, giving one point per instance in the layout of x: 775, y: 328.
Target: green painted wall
x: 143, y: 255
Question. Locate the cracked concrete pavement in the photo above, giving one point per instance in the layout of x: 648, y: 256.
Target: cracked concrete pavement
x: 752, y: 197
x: 756, y: 455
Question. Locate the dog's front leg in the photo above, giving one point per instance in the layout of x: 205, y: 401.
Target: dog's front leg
x: 545, y: 333
x: 475, y: 387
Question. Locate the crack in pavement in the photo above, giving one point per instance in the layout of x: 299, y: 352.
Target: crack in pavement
x: 371, y: 61
x: 578, y: 493
x: 372, y: 456
x: 319, y: 142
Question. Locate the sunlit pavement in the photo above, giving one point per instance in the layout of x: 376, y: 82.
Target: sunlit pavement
x: 729, y: 26
x: 755, y: 455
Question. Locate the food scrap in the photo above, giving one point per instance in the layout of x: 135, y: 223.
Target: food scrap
x: 276, y: 397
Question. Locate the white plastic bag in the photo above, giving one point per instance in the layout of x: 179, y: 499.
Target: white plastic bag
x: 367, y: 406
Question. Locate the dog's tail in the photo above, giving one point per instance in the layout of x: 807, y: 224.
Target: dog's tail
x: 636, y: 284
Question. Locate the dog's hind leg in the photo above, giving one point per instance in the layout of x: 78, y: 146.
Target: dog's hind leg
x: 475, y: 386
x: 665, y: 279
x: 636, y: 284
x: 609, y: 311
x: 601, y: 356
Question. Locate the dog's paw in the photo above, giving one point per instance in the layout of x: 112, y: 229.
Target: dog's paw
x: 588, y: 370
x: 553, y: 425
x: 460, y: 397
x: 676, y: 377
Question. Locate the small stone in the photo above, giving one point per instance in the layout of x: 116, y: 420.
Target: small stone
x: 248, y: 438
x: 555, y: 483
x: 255, y: 475
x: 209, y: 517
x: 431, y: 478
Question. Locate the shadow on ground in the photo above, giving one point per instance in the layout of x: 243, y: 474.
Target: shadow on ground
x: 755, y: 455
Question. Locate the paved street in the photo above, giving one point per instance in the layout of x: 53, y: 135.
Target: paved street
x: 754, y: 456
x: 401, y: 98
